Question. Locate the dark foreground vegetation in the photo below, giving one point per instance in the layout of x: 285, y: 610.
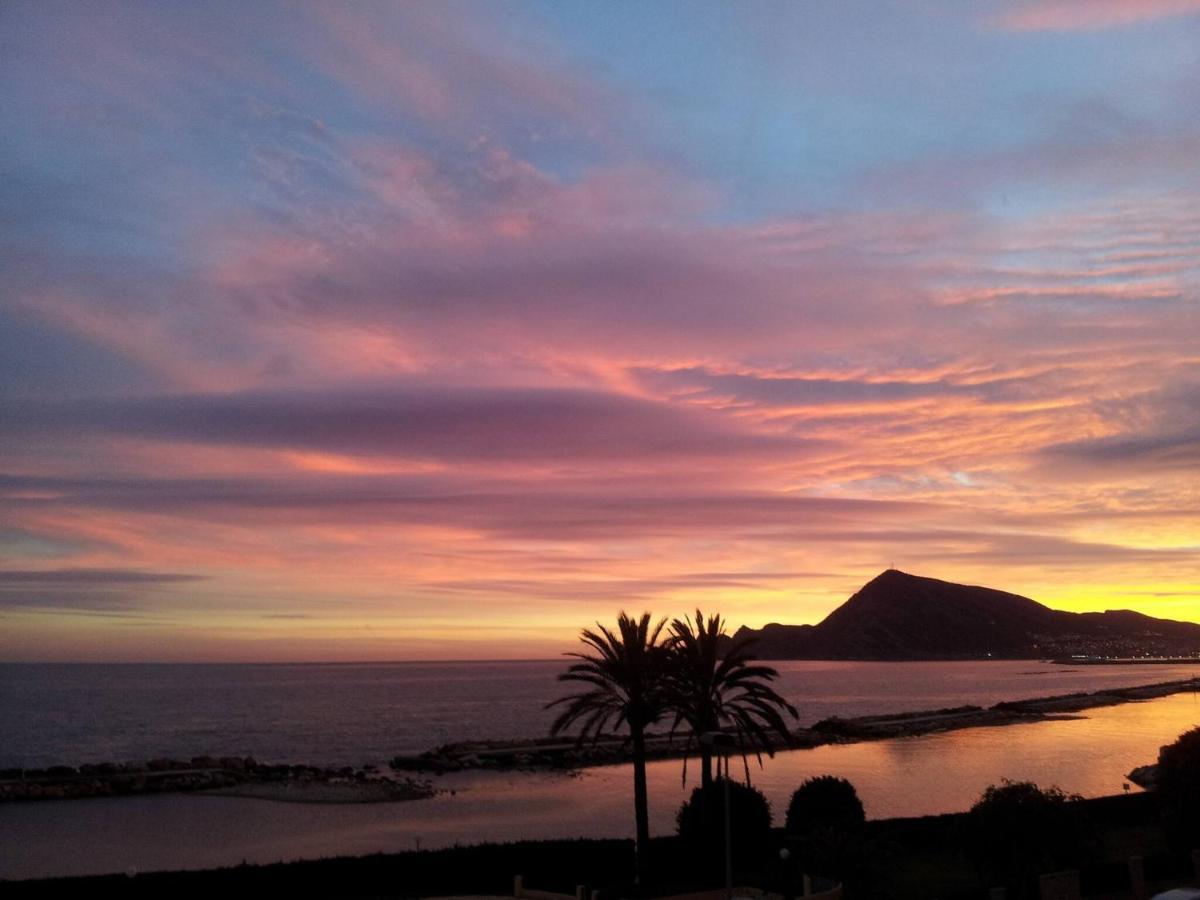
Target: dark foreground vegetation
x: 931, y: 856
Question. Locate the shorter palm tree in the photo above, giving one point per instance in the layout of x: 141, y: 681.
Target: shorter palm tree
x: 709, y: 690
x: 625, y: 677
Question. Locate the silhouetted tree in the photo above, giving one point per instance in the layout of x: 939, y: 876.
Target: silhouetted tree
x: 709, y: 691
x: 1017, y: 831
x: 1177, y: 786
x: 825, y: 802
x: 701, y: 825
x: 624, y: 678
x: 825, y: 825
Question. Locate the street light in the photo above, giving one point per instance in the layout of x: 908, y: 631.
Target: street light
x: 724, y: 742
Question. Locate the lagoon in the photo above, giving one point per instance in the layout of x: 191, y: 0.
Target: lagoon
x: 899, y: 777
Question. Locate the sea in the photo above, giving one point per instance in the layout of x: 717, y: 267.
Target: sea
x: 353, y: 714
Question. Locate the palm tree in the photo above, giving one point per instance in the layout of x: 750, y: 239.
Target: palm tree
x: 709, y: 691
x: 624, y: 677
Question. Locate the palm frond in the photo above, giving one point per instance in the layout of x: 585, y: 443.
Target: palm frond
x: 710, y: 690
x: 620, y: 672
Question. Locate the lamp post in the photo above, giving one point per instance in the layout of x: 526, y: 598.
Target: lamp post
x: 723, y: 742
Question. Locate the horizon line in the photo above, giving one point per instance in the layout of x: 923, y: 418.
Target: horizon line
x: 298, y: 662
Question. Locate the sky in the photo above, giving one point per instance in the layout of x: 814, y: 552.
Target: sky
x: 385, y: 331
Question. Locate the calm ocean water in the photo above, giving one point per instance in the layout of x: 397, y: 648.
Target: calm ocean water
x: 358, y: 713
x: 353, y: 714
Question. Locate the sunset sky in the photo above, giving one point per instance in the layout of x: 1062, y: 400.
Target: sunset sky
x: 437, y: 330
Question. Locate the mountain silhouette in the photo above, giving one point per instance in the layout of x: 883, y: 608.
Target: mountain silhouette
x: 897, y: 616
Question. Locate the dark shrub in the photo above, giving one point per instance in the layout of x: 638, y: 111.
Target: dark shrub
x: 701, y: 825
x: 1177, y: 787
x: 824, y: 825
x: 824, y: 802
x: 1017, y: 831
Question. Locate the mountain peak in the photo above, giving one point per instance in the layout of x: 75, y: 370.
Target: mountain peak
x: 898, y: 576
x: 889, y: 576
x: 898, y: 615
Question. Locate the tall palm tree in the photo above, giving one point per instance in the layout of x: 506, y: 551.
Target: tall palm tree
x: 624, y: 676
x: 709, y: 691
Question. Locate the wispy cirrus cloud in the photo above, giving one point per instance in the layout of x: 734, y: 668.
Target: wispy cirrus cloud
x: 1146, y: 433
x: 585, y: 508
x: 422, y: 422
x: 103, y: 591
x: 25, y: 578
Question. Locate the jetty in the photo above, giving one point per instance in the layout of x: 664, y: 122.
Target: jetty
x: 557, y: 753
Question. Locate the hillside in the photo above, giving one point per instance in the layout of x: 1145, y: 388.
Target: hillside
x: 897, y: 616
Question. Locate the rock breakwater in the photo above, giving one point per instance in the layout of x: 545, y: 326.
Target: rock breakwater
x: 228, y: 774
x: 559, y: 753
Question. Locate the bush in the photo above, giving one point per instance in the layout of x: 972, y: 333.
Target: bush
x: 1177, y: 786
x: 701, y: 825
x: 1017, y: 831
x: 824, y: 824
x: 825, y: 802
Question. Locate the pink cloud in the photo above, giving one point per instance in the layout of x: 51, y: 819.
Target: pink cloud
x: 446, y: 65
x: 1090, y: 15
x: 522, y: 264
x: 421, y: 421
x: 413, y: 355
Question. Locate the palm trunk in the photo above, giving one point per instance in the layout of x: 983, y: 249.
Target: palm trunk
x: 706, y: 775
x: 641, y: 805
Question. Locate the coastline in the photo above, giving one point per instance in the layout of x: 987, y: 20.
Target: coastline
x: 340, y: 792
x: 220, y: 777
x: 1127, y: 661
